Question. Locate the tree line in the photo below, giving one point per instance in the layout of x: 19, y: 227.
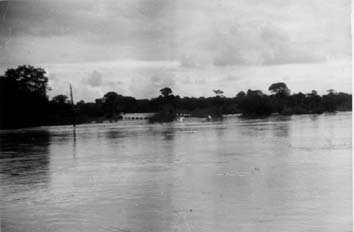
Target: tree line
x: 24, y: 103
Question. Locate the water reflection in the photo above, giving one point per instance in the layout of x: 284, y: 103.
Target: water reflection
x: 168, y: 134
x: 74, y: 143
x: 25, y: 155
x: 114, y: 134
x: 281, y: 126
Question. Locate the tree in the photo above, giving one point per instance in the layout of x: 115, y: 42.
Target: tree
x: 23, y: 97
x: 110, y: 104
x: 313, y: 93
x: 331, y: 91
x: 240, y: 94
x: 218, y: 92
x: 279, y: 89
x: 60, y: 110
x: 166, y: 92
x: 28, y: 79
x: 251, y: 92
x: 61, y: 99
x: 329, y: 101
x: 255, y: 103
x: 313, y: 102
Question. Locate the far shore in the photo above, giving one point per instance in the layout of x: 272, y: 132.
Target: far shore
x: 24, y: 102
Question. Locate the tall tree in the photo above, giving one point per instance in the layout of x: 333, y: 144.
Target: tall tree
x: 23, y: 97
x: 61, y: 99
x: 166, y: 92
x: 110, y: 104
x: 279, y: 89
x: 218, y: 92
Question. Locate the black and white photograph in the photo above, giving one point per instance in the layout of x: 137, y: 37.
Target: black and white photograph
x: 176, y: 116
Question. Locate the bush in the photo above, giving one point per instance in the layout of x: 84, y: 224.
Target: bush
x: 299, y: 110
x: 166, y: 114
x: 287, y: 111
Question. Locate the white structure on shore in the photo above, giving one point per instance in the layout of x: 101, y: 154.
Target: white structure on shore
x: 136, y: 116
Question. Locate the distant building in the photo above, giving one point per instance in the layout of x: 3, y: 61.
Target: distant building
x: 136, y: 116
x: 183, y: 114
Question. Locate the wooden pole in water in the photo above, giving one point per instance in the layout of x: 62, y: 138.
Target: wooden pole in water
x: 73, y: 107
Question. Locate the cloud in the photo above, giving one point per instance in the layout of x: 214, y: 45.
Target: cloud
x: 145, y: 82
x: 135, y: 47
x: 94, y: 80
x: 195, y: 34
x: 149, y: 85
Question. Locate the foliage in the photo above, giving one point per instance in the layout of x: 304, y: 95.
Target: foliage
x: 279, y: 89
x: 166, y: 92
x: 166, y: 114
x: 256, y: 103
x: 23, y: 97
x: 218, y: 92
x: 60, y: 99
x: 24, y: 102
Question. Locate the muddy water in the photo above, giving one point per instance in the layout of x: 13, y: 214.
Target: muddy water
x: 275, y: 174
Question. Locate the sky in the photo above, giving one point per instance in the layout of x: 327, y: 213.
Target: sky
x: 136, y: 47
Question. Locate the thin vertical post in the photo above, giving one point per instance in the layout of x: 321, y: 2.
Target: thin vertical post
x: 73, y: 106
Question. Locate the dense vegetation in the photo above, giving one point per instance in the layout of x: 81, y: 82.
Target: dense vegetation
x: 24, y: 102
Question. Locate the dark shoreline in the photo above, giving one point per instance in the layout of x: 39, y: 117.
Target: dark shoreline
x: 146, y: 121
x: 24, y: 103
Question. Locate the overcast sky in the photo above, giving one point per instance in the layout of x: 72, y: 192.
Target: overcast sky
x: 136, y: 47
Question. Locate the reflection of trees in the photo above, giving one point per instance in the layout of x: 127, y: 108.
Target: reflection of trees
x: 25, y: 155
x: 151, y: 154
x: 114, y: 134
x: 281, y: 126
x: 168, y: 134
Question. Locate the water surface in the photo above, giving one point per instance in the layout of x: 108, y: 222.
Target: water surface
x: 274, y: 174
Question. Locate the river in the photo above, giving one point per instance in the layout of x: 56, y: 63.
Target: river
x: 281, y: 173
